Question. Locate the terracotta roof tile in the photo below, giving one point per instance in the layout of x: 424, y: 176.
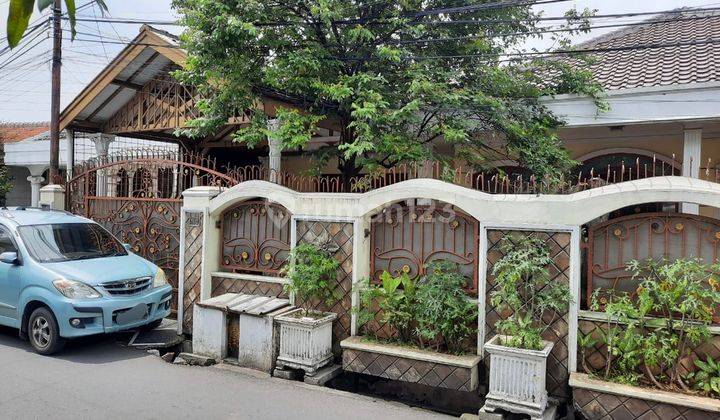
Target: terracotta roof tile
x: 14, y: 132
x: 660, y: 66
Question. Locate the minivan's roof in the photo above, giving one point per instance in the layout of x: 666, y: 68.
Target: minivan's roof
x: 21, y: 216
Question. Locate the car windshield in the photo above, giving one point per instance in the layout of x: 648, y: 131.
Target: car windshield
x: 69, y: 241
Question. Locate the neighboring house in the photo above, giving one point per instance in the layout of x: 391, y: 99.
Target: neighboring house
x: 27, y: 153
x: 664, y: 102
x: 10, y: 134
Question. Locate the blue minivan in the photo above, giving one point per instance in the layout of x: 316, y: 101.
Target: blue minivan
x: 63, y: 276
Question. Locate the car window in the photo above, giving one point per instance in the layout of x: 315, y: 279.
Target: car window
x: 6, y: 242
x: 69, y: 241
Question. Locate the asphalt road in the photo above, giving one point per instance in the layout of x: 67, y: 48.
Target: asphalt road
x: 98, y: 378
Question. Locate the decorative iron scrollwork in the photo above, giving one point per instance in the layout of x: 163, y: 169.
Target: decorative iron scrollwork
x: 256, y: 237
x: 405, y: 239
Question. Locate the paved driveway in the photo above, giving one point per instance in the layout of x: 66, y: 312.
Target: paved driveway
x: 97, y: 378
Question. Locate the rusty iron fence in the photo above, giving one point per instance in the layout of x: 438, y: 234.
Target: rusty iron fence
x: 255, y: 237
x: 137, y: 195
x: 613, y: 244
x: 492, y: 181
x: 404, y: 239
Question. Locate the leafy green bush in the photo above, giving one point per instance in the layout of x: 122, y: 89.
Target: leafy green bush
x: 445, y: 314
x: 433, y: 311
x: 647, y: 335
x: 312, y: 275
x: 394, y: 298
x: 707, y: 376
x: 526, y: 291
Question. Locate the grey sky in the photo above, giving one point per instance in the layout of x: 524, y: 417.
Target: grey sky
x: 25, y: 83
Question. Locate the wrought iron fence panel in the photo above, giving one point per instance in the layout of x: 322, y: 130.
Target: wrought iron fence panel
x: 404, y: 239
x: 137, y: 195
x: 614, y: 243
x: 255, y: 237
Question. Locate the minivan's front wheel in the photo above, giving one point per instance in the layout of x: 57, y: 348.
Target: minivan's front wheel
x: 44, y: 333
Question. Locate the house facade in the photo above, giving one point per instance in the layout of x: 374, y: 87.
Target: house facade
x: 27, y: 147
x: 221, y: 218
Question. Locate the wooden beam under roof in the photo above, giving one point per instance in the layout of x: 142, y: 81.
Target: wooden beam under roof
x: 126, y: 84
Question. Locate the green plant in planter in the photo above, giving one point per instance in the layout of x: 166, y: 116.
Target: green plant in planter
x: 312, y: 274
x: 707, y: 376
x: 445, y: 314
x: 647, y: 335
x: 526, y: 291
x: 394, y: 297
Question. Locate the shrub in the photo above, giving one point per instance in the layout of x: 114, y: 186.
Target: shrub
x: 312, y: 274
x: 433, y: 311
x: 525, y: 290
x: 707, y: 377
x: 445, y: 314
x: 394, y: 298
x: 647, y: 335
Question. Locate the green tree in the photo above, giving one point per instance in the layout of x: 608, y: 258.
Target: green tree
x: 396, y: 76
x: 5, y: 183
x: 21, y: 10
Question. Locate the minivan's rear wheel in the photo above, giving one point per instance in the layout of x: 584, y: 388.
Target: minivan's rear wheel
x: 44, y: 333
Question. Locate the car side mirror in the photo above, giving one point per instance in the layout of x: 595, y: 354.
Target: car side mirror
x: 9, y: 258
x: 127, y: 247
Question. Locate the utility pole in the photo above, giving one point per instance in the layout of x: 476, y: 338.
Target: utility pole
x: 55, y: 95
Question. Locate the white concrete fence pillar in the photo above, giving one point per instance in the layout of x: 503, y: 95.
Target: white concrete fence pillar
x: 275, y: 153
x: 361, y: 266
x: 102, y: 147
x: 35, y: 184
x: 53, y: 197
x: 199, y: 251
x: 692, y: 154
x: 70, y: 154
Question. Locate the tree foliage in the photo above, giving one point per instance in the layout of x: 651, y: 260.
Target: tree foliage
x: 5, y: 182
x: 397, y: 77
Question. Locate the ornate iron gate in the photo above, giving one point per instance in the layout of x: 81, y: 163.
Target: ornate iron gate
x: 138, y: 196
x: 613, y: 244
x: 405, y: 238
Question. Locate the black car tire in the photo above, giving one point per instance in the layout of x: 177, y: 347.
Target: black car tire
x: 43, y: 332
x: 151, y: 326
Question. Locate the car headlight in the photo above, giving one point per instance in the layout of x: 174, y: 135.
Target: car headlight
x: 75, y: 290
x: 159, y: 279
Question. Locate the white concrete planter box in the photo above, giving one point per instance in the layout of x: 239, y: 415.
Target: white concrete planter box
x: 305, y: 343
x: 596, y: 398
x: 402, y: 363
x: 517, y: 378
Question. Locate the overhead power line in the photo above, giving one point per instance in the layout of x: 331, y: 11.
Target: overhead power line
x: 578, y: 51
x: 565, y: 18
x: 518, y: 54
x: 547, y: 30
x: 134, y: 21
x: 128, y: 21
x: 544, y: 30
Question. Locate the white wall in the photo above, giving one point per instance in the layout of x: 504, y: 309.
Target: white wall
x: 695, y: 101
x: 518, y: 209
